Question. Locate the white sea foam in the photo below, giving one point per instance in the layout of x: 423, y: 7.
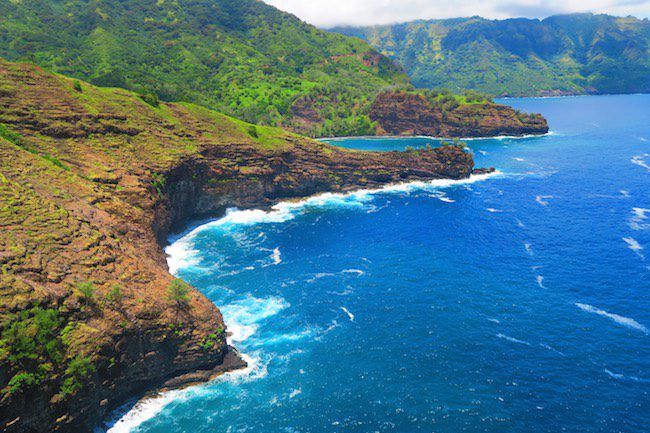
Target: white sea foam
x: 540, y: 282
x: 634, y: 245
x: 543, y: 199
x: 492, y: 210
x: 446, y: 199
x: 295, y: 393
x: 640, y: 160
x: 493, y: 320
x: 150, y: 407
x: 353, y: 271
x: 350, y: 315
x: 529, y: 248
x: 621, y: 320
x: 277, y: 256
x: 552, y: 349
x: 639, y: 220
x: 518, y: 159
x: 513, y: 340
x: 242, y: 317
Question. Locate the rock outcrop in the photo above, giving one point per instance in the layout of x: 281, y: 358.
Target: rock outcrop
x: 406, y: 113
x: 91, y: 183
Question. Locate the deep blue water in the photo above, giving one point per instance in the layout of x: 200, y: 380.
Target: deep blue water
x: 516, y: 303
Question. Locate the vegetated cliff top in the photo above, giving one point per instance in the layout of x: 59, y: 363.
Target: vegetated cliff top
x: 241, y: 57
x: 577, y: 53
x: 91, y: 182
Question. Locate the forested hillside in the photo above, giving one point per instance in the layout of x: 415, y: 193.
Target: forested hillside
x: 241, y: 57
x: 564, y: 54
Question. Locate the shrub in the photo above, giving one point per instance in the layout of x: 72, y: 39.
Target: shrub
x: 252, y: 131
x: 77, y: 86
x: 21, y: 381
x: 87, y: 291
x: 9, y: 135
x: 150, y: 98
x: 80, y: 368
x: 115, y: 295
x: 178, y: 292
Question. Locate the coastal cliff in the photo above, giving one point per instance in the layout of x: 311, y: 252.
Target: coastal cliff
x: 408, y: 113
x: 92, y: 181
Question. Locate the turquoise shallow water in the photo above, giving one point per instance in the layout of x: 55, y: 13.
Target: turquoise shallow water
x: 514, y: 303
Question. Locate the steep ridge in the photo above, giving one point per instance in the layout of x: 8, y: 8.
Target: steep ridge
x: 92, y: 180
x: 563, y: 54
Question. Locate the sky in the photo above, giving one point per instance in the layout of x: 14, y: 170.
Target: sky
x: 327, y: 13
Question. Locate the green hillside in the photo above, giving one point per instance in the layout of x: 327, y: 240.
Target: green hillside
x: 241, y: 57
x: 579, y: 53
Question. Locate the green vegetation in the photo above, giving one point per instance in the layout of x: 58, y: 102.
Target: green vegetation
x: 579, y: 53
x: 179, y: 293
x: 241, y: 57
x: 86, y: 292
x: 9, y: 135
x: 33, y: 344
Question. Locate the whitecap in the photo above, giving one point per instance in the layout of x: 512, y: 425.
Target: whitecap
x: 518, y: 159
x: 542, y: 199
x: 621, y: 320
x: 353, y: 271
x: 529, y: 248
x: 552, y: 349
x: 640, y: 160
x: 614, y: 375
x: 295, y: 393
x: 350, y: 315
x: 540, y: 281
x: 490, y: 319
x: 277, y: 257
x: 634, y: 245
x: 638, y: 221
x: 446, y: 199
x: 513, y: 340
x: 492, y: 210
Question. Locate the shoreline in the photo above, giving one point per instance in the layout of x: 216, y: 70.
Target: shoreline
x: 428, y: 137
x: 242, y: 362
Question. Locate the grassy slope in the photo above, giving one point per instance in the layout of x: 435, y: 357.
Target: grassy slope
x: 572, y: 53
x: 240, y: 57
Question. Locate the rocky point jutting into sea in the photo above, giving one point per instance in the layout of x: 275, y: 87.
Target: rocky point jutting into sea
x: 92, y: 182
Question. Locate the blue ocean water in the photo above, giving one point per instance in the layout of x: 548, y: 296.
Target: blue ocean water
x: 517, y: 302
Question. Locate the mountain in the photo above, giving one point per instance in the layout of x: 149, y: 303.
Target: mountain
x: 92, y: 180
x: 564, y: 54
x: 241, y: 57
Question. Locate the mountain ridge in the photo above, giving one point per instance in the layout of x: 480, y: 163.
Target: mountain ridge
x: 561, y: 54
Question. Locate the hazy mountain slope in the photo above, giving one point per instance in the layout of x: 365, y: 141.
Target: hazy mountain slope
x: 241, y: 57
x: 580, y: 53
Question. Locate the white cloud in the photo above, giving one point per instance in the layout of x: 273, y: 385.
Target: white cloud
x: 325, y: 13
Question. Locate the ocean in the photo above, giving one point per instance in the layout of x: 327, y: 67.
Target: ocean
x: 512, y: 302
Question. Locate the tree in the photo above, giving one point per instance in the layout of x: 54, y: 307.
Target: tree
x: 178, y: 291
x: 87, y: 291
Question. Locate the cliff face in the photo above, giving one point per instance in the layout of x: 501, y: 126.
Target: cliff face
x: 91, y: 182
x: 403, y: 113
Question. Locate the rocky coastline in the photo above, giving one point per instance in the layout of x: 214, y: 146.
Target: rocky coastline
x: 405, y: 113
x: 92, y: 182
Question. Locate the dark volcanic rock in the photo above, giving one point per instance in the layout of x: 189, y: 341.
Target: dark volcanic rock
x: 403, y: 113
